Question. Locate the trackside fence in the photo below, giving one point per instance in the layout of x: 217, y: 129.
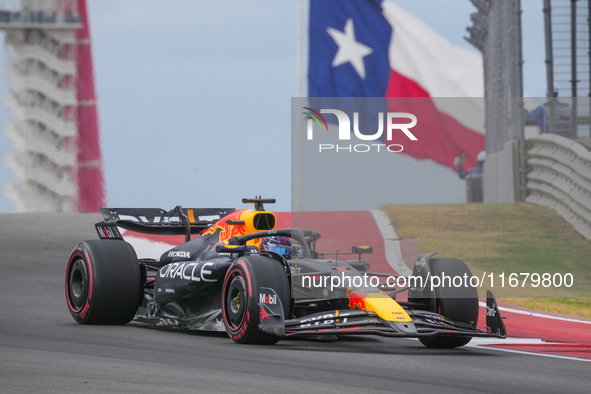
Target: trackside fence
x: 560, y: 178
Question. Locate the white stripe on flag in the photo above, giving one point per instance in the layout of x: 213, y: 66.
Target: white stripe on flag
x: 444, y: 70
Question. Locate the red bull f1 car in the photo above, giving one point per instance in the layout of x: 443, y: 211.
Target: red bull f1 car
x: 224, y: 278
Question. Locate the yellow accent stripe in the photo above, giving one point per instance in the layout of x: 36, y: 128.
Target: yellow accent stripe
x: 191, y: 216
x: 386, y: 308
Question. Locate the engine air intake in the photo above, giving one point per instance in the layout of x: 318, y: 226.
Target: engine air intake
x: 264, y: 221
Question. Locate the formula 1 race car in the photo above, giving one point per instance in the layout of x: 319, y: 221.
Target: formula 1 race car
x: 229, y: 278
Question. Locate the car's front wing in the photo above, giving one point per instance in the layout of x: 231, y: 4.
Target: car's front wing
x: 356, y: 322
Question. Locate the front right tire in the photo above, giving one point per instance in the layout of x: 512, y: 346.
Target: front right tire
x: 240, y: 297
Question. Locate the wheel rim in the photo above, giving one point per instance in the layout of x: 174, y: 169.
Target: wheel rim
x: 78, y: 284
x: 236, y: 302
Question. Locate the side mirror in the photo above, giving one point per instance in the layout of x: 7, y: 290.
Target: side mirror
x: 362, y: 249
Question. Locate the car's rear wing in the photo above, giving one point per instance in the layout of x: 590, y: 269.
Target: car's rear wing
x: 178, y: 221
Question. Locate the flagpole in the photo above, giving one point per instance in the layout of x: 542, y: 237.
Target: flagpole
x: 300, y: 49
x: 297, y: 137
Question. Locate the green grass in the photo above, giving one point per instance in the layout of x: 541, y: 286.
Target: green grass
x: 512, y: 238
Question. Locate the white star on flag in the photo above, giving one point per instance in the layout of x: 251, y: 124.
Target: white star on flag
x: 349, y: 49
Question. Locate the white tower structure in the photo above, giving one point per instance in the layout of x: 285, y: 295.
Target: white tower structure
x: 41, y: 51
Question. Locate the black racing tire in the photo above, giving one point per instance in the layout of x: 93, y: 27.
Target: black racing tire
x: 103, y: 284
x: 455, y: 303
x: 240, y: 295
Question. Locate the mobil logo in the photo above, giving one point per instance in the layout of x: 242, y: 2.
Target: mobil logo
x: 268, y: 298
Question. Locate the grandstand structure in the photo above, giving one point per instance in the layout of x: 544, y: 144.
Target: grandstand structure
x: 51, y: 95
x: 554, y: 167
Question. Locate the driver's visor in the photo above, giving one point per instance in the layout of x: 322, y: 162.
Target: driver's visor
x: 281, y: 250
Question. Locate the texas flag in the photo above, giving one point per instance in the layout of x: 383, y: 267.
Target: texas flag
x: 373, y: 48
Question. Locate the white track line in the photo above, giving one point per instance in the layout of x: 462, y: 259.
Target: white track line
x: 391, y: 243
x: 512, y: 341
x: 498, y: 349
x: 502, y: 308
x: 479, y: 342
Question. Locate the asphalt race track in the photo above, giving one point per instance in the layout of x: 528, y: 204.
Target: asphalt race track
x: 42, y: 349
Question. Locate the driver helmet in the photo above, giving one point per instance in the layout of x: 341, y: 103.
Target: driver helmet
x: 281, y: 245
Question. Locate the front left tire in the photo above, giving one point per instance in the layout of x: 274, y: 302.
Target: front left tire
x: 456, y: 303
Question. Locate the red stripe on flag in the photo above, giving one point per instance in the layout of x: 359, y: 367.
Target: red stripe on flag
x: 440, y: 137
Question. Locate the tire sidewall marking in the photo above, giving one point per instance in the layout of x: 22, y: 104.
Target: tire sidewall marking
x: 84, y: 308
x: 245, y: 319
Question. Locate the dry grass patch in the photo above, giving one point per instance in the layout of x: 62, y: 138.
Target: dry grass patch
x: 566, y: 306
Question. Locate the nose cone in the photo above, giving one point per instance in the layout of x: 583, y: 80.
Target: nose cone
x: 406, y: 327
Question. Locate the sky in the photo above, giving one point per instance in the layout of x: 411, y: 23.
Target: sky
x: 194, y: 100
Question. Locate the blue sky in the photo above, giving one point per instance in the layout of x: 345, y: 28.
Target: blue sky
x: 194, y: 98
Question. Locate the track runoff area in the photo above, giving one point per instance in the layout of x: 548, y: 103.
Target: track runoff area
x: 537, y: 333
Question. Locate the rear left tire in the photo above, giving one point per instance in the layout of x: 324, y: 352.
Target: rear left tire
x: 103, y: 284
